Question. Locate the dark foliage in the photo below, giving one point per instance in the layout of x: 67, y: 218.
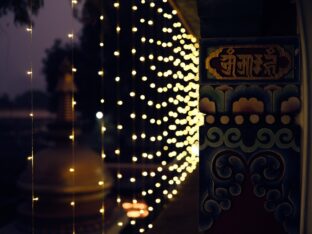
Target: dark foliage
x: 21, y: 9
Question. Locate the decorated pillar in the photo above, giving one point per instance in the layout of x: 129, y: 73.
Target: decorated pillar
x: 250, y: 142
x: 305, y: 29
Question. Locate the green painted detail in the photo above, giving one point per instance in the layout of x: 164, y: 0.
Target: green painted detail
x: 265, y: 139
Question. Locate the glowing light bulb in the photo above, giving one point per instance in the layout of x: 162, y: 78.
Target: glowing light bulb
x: 99, y: 115
x: 101, y: 73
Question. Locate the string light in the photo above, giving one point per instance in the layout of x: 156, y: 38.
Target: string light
x: 72, y: 136
x: 100, y: 114
x: 29, y: 73
x: 132, y: 94
x: 119, y: 126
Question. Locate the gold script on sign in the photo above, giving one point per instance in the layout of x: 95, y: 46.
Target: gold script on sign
x: 249, y: 62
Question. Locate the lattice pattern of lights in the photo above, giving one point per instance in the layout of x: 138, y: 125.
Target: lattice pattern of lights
x: 165, y: 90
x: 155, y: 103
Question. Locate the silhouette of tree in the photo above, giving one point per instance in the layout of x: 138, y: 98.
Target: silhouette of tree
x: 23, y: 101
x: 20, y: 9
x: 5, y: 102
x: 87, y: 59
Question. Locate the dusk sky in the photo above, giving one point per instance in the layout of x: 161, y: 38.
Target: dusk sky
x: 54, y: 21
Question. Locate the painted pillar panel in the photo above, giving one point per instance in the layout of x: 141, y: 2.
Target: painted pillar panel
x: 250, y: 142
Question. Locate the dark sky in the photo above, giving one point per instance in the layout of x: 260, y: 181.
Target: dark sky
x: 53, y: 21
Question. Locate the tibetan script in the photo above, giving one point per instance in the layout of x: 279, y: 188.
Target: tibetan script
x: 254, y: 62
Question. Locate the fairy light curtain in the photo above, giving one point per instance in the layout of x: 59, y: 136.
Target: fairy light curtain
x: 155, y: 98
x: 145, y: 81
